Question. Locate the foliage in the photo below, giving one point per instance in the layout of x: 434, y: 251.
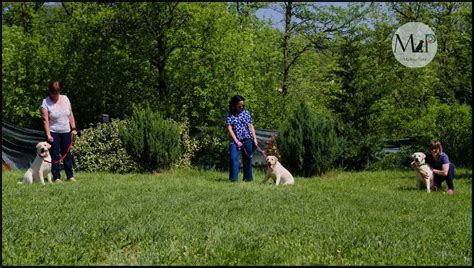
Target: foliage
x: 271, y: 147
x: 193, y: 217
x: 213, y: 148
x: 187, y: 59
x: 154, y: 142
x: 308, y: 142
x: 189, y: 145
x: 452, y: 125
x: 101, y: 149
x: 393, y: 161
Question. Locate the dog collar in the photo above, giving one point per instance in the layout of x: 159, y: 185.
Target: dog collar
x: 44, y: 157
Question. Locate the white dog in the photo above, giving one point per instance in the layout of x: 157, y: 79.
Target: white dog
x: 420, y: 165
x: 277, y: 172
x: 41, y: 166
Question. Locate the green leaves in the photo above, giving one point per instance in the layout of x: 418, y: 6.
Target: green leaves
x: 308, y: 142
x: 153, y: 141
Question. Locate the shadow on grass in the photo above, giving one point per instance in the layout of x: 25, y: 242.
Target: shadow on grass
x: 409, y: 188
x: 463, y: 176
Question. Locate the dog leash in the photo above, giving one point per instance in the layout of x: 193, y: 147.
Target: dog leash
x: 258, y: 149
x: 62, y: 158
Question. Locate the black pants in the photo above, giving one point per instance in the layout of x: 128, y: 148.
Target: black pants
x: 449, y: 178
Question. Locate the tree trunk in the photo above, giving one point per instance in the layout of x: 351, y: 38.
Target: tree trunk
x: 286, y: 37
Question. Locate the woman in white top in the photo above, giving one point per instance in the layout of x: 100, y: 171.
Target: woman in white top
x: 60, y: 129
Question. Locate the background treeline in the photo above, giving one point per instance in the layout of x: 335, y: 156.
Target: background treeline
x: 185, y: 61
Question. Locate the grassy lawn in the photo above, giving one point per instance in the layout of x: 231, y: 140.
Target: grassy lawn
x: 191, y: 217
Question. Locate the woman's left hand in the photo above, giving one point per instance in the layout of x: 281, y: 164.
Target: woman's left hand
x: 255, y: 141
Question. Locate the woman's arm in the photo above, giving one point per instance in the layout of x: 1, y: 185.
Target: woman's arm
x: 72, y: 122
x: 45, y: 117
x: 232, y: 135
x: 253, y: 133
x: 444, y: 171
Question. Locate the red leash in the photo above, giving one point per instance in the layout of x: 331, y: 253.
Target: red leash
x: 62, y: 158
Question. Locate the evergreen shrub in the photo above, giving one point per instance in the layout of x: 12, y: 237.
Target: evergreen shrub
x: 153, y: 141
x: 308, y: 142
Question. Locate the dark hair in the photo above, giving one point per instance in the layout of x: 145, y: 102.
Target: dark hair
x: 233, y: 103
x: 436, y: 144
x: 56, y: 84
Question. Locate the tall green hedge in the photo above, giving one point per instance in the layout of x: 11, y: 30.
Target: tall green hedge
x: 308, y: 142
x: 152, y: 140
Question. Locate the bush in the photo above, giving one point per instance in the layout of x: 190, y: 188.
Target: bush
x: 308, y: 142
x: 394, y: 161
x: 271, y: 147
x: 153, y: 141
x: 100, y: 149
x: 213, y: 148
x: 189, y: 145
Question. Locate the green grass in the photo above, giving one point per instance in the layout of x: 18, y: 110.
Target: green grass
x: 193, y: 217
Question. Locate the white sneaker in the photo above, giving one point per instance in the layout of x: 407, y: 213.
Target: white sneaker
x: 57, y: 180
x: 71, y: 179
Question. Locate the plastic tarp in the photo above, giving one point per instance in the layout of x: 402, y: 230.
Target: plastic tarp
x: 263, y: 135
x: 19, y: 145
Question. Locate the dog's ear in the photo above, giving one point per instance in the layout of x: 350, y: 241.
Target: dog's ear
x: 423, y: 156
x: 48, y: 146
x: 38, y: 146
x: 413, y: 155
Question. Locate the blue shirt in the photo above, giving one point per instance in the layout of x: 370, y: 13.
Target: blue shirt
x: 240, y: 124
x: 443, y: 159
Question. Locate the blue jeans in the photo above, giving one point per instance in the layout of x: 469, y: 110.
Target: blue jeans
x: 58, y: 148
x: 449, y: 178
x: 247, y: 151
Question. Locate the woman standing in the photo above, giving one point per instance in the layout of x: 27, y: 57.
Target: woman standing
x: 60, y: 129
x: 242, y: 136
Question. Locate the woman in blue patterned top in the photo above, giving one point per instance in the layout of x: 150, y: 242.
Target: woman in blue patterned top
x: 239, y: 125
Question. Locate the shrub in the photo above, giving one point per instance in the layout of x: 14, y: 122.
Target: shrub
x: 308, y: 142
x: 213, y: 148
x: 100, y: 149
x: 189, y: 145
x: 271, y: 147
x: 153, y: 141
x: 394, y: 161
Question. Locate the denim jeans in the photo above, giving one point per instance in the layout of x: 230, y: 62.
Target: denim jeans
x: 58, y: 148
x: 246, y: 150
x: 449, y: 178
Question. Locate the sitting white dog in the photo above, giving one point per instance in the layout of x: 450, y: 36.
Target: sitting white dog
x: 277, y: 172
x: 422, y: 168
x: 41, y: 166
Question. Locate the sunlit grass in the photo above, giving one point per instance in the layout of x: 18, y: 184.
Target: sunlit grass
x: 192, y: 217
